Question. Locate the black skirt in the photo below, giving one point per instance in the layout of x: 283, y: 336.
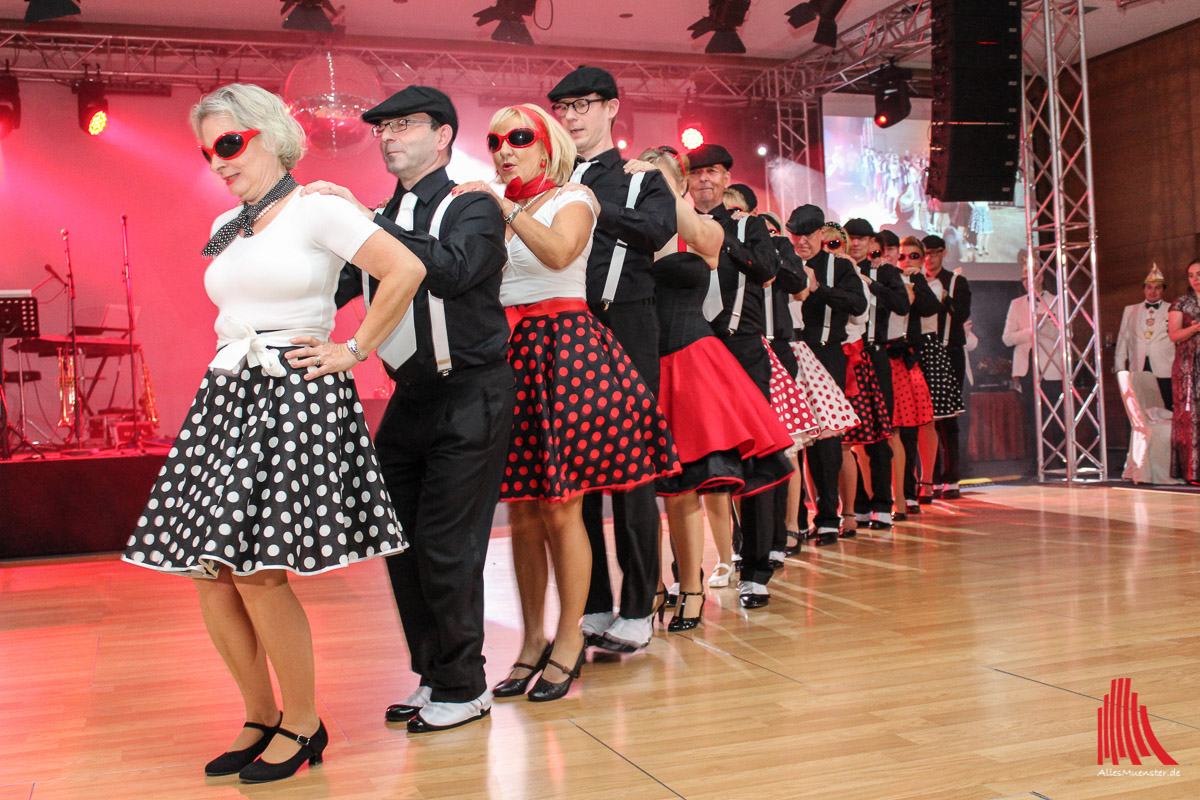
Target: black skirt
x: 268, y: 473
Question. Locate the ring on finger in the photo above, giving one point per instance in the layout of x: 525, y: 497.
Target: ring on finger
x: 318, y: 360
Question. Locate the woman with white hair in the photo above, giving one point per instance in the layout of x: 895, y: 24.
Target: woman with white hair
x: 273, y: 471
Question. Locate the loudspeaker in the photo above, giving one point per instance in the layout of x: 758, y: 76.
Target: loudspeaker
x: 977, y: 84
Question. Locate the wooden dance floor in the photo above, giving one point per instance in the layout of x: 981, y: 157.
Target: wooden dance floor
x: 961, y: 656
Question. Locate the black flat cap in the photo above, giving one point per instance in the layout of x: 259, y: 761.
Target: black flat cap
x: 413, y: 100
x: 582, y: 81
x: 806, y: 220
x: 932, y: 242
x: 887, y: 238
x: 858, y: 227
x: 748, y: 193
x: 708, y: 155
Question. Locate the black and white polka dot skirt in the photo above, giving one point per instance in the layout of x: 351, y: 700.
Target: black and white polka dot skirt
x: 268, y: 473
x: 945, y: 390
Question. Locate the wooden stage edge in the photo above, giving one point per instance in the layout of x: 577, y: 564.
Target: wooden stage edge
x: 965, y: 655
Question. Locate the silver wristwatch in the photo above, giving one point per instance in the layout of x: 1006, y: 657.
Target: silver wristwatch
x: 352, y: 344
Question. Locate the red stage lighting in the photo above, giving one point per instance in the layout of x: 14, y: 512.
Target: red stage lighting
x: 691, y: 137
x: 10, y: 105
x: 93, y: 107
x: 881, y: 120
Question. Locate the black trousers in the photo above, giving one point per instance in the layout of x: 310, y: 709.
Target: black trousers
x: 783, y: 351
x: 635, y: 512
x: 1164, y: 387
x: 912, y: 474
x: 948, y: 444
x: 758, y: 521
x: 442, y: 448
x: 824, y: 456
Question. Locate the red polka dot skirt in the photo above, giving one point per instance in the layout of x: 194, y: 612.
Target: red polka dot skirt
x: 866, y: 396
x: 584, y: 418
x: 790, y: 404
x: 828, y: 402
x: 911, y: 404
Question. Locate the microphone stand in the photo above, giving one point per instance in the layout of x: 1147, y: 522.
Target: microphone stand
x: 78, y: 426
x: 136, y: 440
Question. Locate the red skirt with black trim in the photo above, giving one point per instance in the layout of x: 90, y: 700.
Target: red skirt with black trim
x: 584, y: 419
x: 728, y: 436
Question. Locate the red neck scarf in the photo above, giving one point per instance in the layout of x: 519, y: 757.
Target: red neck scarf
x: 517, y: 189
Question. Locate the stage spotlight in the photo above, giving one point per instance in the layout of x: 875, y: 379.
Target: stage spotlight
x: 762, y: 150
x: 892, y: 103
x: 10, y: 105
x: 93, y: 107
x: 692, y: 137
x: 511, y: 16
x: 41, y: 10
x: 308, y: 15
x: 825, y: 12
x: 723, y: 20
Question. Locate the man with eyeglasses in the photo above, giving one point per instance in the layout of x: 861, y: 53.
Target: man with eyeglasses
x: 637, y: 218
x: 444, y: 436
x: 886, y: 295
x: 954, y: 313
x: 837, y: 294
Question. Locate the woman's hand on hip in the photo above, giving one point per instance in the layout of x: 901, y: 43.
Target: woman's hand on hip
x: 320, y: 358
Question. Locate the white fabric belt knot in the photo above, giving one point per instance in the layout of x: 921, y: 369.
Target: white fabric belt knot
x: 238, y: 342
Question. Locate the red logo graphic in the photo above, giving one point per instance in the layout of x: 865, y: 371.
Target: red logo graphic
x: 1123, y: 728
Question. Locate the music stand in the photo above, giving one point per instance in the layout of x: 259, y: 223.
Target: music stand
x: 18, y: 320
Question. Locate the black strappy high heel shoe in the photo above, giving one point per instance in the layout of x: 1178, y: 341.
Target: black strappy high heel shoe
x: 681, y: 623
x: 512, y: 687
x: 232, y: 761
x: 660, y: 604
x: 544, y: 691
x: 312, y: 749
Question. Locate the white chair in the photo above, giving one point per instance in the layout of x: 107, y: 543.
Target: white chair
x: 1149, y: 459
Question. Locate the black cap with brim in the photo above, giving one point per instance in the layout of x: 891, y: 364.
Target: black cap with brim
x: 806, y: 220
x: 415, y: 100
x: 932, y: 242
x: 583, y: 81
x: 858, y: 226
x: 748, y: 193
x: 709, y: 155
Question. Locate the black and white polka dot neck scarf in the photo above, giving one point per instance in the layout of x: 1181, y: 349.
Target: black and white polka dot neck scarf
x: 245, y: 219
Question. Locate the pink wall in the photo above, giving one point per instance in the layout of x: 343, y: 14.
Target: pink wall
x: 146, y: 165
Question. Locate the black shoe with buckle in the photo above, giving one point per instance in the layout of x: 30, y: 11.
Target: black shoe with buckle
x: 312, y: 749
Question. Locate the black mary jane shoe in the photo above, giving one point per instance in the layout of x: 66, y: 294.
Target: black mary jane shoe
x: 899, y: 516
x: 512, y: 687
x: 825, y: 538
x: 312, y: 749
x: 681, y: 623
x: 544, y: 691
x: 232, y: 761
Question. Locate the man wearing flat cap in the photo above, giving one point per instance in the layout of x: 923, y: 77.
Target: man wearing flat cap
x: 837, y: 296
x: 444, y: 436
x: 886, y: 295
x: 747, y: 261
x: 637, y: 217
x: 955, y: 293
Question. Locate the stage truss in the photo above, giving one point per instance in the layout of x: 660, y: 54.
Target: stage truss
x: 1056, y: 131
x: 1061, y: 240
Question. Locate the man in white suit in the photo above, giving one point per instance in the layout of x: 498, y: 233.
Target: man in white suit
x: 1018, y: 334
x: 1142, y: 343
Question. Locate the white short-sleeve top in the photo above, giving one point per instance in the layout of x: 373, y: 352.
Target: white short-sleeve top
x: 284, y: 277
x: 528, y: 280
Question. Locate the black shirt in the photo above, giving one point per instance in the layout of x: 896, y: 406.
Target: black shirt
x: 956, y: 307
x: 891, y: 297
x: 644, y: 229
x: 790, y: 280
x: 844, y: 297
x: 924, y: 304
x: 463, y: 267
x: 756, y: 259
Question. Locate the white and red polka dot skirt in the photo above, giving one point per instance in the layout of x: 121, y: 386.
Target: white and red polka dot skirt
x: 584, y: 418
x: 790, y: 403
x: 828, y: 402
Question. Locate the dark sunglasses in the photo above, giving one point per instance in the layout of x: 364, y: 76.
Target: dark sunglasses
x: 517, y: 137
x: 833, y: 244
x: 876, y: 254
x: 911, y: 256
x: 229, y: 145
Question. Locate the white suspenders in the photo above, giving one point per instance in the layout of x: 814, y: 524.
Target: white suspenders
x: 829, y: 277
x: 617, y: 264
x: 739, y: 299
x: 393, y: 350
x: 949, y: 293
